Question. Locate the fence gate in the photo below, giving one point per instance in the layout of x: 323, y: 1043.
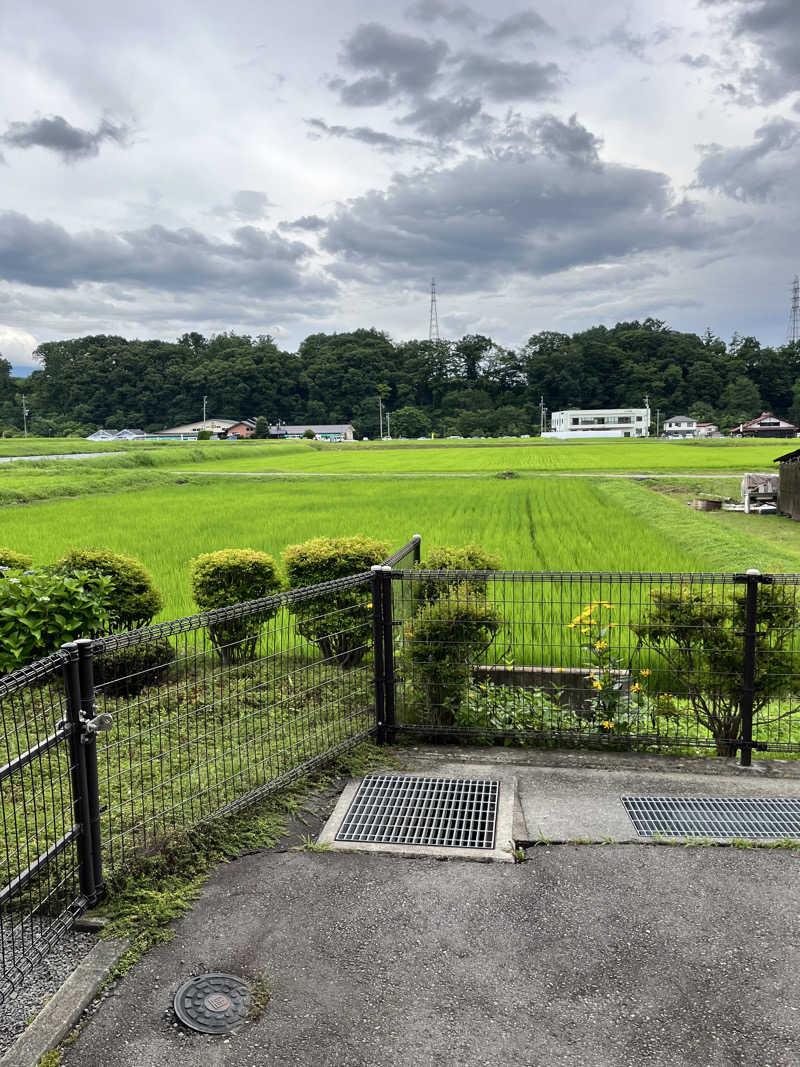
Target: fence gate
x: 50, y: 859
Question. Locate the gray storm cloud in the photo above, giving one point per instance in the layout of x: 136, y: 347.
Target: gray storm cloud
x: 58, y: 135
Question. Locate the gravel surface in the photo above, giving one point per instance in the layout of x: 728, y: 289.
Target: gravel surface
x: 41, y: 984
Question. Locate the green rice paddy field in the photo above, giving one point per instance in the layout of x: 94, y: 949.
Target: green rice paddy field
x: 165, y: 505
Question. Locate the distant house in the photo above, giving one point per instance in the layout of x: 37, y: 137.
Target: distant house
x: 130, y: 435
x: 766, y: 425
x: 580, y: 424
x: 680, y: 426
x: 101, y: 435
x: 243, y: 428
x: 343, y: 432
x: 707, y: 429
x: 789, y: 485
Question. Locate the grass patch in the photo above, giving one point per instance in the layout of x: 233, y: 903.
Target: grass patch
x: 532, y: 524
x: 260, y: 996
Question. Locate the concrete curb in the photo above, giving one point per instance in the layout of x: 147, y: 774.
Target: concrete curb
x: 58, y: 1017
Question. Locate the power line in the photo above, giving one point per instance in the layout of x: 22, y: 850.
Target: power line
x: 433, y: 325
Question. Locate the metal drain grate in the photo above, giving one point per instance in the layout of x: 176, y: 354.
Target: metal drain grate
x: 213, y: 1003
x: 404, y: 809
x: 764, y: 818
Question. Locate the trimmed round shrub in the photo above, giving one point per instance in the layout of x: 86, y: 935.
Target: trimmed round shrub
x: 15, y: 561
x: 233, y: 576
x: 133, y: 600
x: 442, y: 643
x: 470, y: 557
x: 339, y: 623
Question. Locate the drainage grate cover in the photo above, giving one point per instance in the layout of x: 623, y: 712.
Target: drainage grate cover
x: 405, y: 809
x: 213, y: 1003
x: 764, y: 818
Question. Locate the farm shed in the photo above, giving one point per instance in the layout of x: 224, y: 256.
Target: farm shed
x: 339, y: 432
x: 758, y: 489
x: 789, y: 487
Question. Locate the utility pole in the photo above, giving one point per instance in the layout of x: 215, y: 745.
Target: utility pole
x: 204, y: 411
x: 25, y: 414
x: 658, y: 416
x: 388, y: 429
x: 542, y: 410
x: 380, y: 413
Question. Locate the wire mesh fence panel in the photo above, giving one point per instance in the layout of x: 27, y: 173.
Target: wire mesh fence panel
x: 776, y: 697
x: 211, y: 712
x: 636, y: 660
x: 40, y: 891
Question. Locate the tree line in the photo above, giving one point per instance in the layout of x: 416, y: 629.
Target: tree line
x: 467, y: 387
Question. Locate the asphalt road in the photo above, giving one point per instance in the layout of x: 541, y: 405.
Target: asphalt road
x: 609, y: 956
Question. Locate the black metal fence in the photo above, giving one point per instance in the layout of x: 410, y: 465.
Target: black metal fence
x: 110, y: 745
x: 696, y: 661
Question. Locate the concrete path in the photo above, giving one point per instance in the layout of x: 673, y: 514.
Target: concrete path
x: 575, y: 796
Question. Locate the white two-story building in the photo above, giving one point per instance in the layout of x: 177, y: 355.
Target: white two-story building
x: 580, y: 424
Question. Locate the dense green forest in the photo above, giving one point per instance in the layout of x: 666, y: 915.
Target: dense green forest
x: 467, y: 387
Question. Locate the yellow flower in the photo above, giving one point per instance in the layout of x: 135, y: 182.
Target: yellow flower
x: 607, y: 724
x: 597, y: 684
x: 635, y: 687
x: 601, y: 644
x: 645, y: 673
x: 571, y: 625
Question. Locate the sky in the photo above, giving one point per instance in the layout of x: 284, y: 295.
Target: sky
x: 289, y: 169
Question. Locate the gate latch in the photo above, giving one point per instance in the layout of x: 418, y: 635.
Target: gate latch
x: 100, y: 723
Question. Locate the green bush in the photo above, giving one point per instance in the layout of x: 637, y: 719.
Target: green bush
x: 699, y: 640
x: 470, y: 557
x: 133, y: 599
x: 443, y: 642
x: 40, y: 611
x: 309, y: 434
x: 204, y: 435
x: 126, y: 672
x: 16, y: 561
x: 495, y: 708
x: 340, y: 623
x: 232, y: 576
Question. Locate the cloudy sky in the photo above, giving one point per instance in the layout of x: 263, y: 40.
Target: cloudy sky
x: 292, y: 168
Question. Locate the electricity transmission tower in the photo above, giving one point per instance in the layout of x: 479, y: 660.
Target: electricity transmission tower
x: 793, y: 333
x: 433, y: 326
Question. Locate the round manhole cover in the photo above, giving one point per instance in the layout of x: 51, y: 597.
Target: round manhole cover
x: 213, y: 1003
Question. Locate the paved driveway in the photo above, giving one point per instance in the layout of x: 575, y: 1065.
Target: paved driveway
x: 609, y: 956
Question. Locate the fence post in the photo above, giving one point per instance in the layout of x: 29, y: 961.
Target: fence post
x: 377, y: 651
x: 86, y: 675
x: 77, y: 751
x: 753, y: 579
x: 388, y: 656
x: 417, y: 538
